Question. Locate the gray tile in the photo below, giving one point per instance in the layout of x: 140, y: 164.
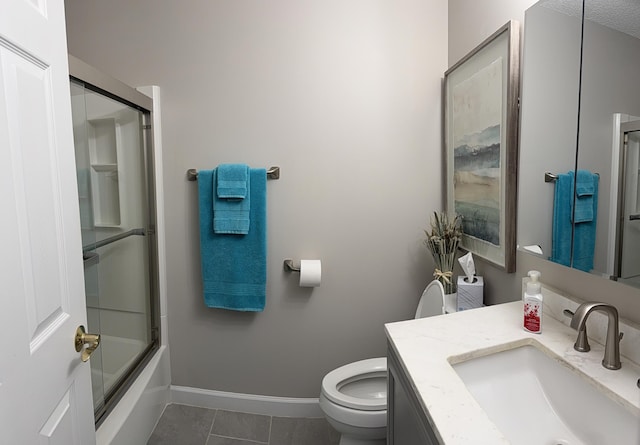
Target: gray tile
x: 242, y: 426
x: 184, y: 425
x: 298, y: 431
x: 219, y: 440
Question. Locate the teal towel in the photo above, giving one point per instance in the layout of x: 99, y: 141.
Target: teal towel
x: 232, y: 181
x: 230, y: 216
x: 586, y: 183
x: 234, y: 267
x: 562, y: 227
x: 584, y: 232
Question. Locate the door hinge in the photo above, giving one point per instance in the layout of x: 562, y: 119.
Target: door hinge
x: 146, y: 127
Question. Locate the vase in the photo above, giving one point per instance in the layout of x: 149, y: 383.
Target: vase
x: 447, y: 283
x: 451, y: 303
x: 444, y: 260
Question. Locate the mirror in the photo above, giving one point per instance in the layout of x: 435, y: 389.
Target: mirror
x: 550, y: 97
x: 609, y: 97
x: 565, y: 129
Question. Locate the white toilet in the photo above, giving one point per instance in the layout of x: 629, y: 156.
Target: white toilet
x: 354, y: 396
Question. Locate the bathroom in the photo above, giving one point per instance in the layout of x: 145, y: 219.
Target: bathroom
x: 345, y: 97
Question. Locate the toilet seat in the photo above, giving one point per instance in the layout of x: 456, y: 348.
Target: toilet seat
x: 375, y: 399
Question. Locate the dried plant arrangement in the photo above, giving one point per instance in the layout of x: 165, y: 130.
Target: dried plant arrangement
x: 443, y: 241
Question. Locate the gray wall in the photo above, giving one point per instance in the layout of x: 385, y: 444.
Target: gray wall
x: 472, y: 21
x: 345, y: 98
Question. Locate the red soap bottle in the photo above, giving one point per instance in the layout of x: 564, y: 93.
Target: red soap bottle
x: 532, y: 302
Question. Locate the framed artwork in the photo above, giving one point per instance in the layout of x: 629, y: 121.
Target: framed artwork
x: 481, y: 145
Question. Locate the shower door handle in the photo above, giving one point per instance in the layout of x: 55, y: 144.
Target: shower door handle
x: 634, y: 217
x: 83, y: 338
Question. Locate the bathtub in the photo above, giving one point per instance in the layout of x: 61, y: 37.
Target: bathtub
x: 115, y: 356
x: 136, y: 414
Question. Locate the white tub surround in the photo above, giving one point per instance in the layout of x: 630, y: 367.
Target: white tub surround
x: 135, y: 416
x: 428, y: 347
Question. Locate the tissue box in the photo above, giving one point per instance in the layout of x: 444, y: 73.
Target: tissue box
x: 470, y: 295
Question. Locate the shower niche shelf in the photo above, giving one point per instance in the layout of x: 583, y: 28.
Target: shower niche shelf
x: 104, y: 148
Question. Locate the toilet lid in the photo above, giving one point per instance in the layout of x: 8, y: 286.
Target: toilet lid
x: 370, y: 374
x: 432, y: 301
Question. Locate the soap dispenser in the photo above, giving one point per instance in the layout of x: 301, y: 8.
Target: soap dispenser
x: 532, y: 302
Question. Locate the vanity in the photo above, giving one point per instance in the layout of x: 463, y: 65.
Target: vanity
x: 448, y: 377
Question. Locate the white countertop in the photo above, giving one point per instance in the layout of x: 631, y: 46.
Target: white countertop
x: 427, y: 347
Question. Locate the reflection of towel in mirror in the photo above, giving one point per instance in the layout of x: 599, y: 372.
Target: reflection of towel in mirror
x: 584, y: 233
x: 585, y: 217
x: 561, y: 232
x: 586, y: 186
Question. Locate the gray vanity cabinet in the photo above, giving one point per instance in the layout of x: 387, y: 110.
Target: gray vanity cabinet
x: 407, y: 423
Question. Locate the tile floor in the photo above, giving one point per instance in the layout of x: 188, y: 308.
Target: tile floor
x: 190, y: 425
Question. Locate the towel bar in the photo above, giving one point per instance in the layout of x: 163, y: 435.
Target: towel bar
x: 550, y: 177
x: 272, y: 173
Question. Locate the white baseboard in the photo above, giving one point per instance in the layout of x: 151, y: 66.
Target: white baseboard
x: 247, y: 403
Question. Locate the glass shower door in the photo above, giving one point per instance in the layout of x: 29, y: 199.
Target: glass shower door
x: 112, y: 174
x: 88, y: 234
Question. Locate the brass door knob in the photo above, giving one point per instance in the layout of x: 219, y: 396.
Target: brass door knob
x: 83, y: 338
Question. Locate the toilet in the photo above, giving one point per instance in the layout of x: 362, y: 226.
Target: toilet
x: 354, y: 396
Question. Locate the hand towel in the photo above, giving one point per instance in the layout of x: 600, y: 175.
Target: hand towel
x: 234, y: 268
x: 230, y: 216
x: 586, y: 183
x: 584, y: 228
x: 232, y: 181
x: 562, y: 228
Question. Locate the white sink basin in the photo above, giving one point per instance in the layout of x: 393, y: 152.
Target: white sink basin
x: 535, y: 399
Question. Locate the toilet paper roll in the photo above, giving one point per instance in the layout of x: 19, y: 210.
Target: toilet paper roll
x: 310, y: 273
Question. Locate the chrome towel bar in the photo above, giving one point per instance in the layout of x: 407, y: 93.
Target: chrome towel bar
x: 272, y: 173
x: 550, y: 177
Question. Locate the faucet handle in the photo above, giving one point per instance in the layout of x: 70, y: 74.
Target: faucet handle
x: 568, y: 313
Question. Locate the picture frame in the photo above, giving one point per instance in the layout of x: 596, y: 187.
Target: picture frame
x: 481, y: 94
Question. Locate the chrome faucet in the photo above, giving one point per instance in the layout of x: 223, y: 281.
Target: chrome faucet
x: 612, y: 346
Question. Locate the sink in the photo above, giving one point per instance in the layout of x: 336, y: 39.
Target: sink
x: 539, y: 400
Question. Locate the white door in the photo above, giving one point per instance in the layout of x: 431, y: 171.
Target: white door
x: 45, y: 390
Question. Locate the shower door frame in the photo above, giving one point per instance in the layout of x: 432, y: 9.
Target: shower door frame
x: 625, y: 128
x: 101, y: 83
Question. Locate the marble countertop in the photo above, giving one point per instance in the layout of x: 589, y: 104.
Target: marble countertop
x: 428, y: 347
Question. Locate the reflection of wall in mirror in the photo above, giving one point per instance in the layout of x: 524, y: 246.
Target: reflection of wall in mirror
x: 610, y: 84
x: 550, y: 79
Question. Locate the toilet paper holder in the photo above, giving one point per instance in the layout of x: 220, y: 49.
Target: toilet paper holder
x: 289, y: 267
